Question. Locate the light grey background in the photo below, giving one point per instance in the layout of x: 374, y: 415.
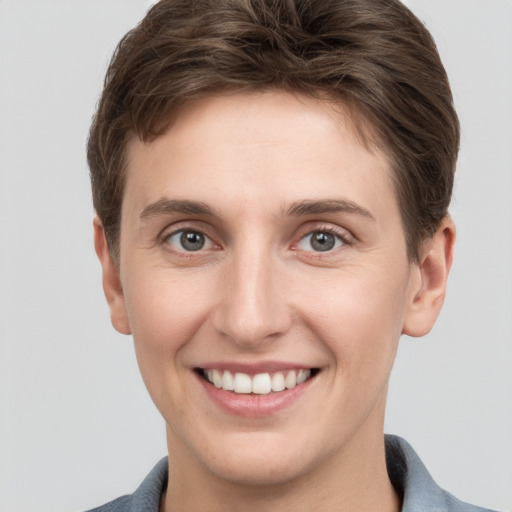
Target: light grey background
x: 76, y: 426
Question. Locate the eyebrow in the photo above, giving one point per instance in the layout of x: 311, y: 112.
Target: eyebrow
x: 169, y: 206
x: 312, y: 207
x: 297, y: 209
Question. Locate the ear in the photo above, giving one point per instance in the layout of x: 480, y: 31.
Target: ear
x: 111, y: 280
x: 428, y: 284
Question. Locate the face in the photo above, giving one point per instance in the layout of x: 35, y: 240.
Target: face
x: 262, y: 250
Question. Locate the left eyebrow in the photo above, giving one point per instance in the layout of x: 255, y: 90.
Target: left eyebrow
x: 170, y: 206
x: 312, y: 207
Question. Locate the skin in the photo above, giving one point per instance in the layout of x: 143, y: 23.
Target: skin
x: 272, y: 168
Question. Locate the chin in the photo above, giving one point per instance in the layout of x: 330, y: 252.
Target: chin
x: 259, y: 460
x: 256, y: 473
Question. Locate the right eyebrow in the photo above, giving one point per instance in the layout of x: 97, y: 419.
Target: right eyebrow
x: 168, y: 206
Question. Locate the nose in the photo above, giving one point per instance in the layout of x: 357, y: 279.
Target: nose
x: 252, y: 310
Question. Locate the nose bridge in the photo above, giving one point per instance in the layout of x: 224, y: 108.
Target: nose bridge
x: 253, y: 307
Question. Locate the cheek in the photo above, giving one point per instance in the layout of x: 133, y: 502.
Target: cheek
x: 163, y: 309
x: 359, y: 317
x: 165, y: 315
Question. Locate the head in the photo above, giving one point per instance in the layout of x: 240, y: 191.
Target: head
x: 272, y: 182
x: 373, y: 56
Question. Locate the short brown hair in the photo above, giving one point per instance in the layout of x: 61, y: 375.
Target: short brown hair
x: 373, y: 55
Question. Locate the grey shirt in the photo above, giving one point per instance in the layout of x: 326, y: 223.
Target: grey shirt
x: 407, y: 473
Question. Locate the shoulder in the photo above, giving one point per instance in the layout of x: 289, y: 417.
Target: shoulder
x: 418, y: 488
x: 147, y: 496
x: 118, y: 505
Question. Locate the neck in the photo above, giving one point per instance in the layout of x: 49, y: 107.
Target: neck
x: 354, y: 481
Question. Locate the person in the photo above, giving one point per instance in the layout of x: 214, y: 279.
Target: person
x: 272, y: 181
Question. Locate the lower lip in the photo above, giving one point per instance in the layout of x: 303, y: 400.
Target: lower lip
x: 253, y: 405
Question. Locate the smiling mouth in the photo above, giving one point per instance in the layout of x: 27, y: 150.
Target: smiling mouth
x: 259, y: 384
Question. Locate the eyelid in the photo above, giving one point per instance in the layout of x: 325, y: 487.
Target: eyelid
x: 192, y: 226
x: 346, y: 237
x: 310, y: 228
x: 310, y: 238
x: 209, y: 243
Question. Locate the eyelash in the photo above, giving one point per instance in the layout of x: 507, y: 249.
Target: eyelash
x: 342, y: 238
x: 182, y: 252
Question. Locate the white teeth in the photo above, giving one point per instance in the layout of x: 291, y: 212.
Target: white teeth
x: 228, y: 382
x: 291, y: 380
x: 278, y: 382
x: 260, y: 384
x: 217, y: 379
x: 243, y: 383
x: 303, y: 376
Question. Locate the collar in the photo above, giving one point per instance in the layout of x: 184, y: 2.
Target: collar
x: 409, y: 476
x: 418, y: 489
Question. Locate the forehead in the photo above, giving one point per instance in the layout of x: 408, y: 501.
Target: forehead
x: 257, y: 146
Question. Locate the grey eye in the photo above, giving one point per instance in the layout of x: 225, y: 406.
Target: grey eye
x: 320, y: 241
x: 190, y: 241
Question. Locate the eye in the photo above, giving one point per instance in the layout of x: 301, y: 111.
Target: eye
x: 320, y: 241
x: 189, y: 240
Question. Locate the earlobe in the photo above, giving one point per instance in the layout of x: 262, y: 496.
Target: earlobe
x: 111, y: 280
x: 428, y: 286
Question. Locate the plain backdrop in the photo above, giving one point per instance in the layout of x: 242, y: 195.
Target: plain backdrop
x: 76, y: 426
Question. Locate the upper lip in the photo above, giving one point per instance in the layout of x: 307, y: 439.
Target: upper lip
x: 254, y: 368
